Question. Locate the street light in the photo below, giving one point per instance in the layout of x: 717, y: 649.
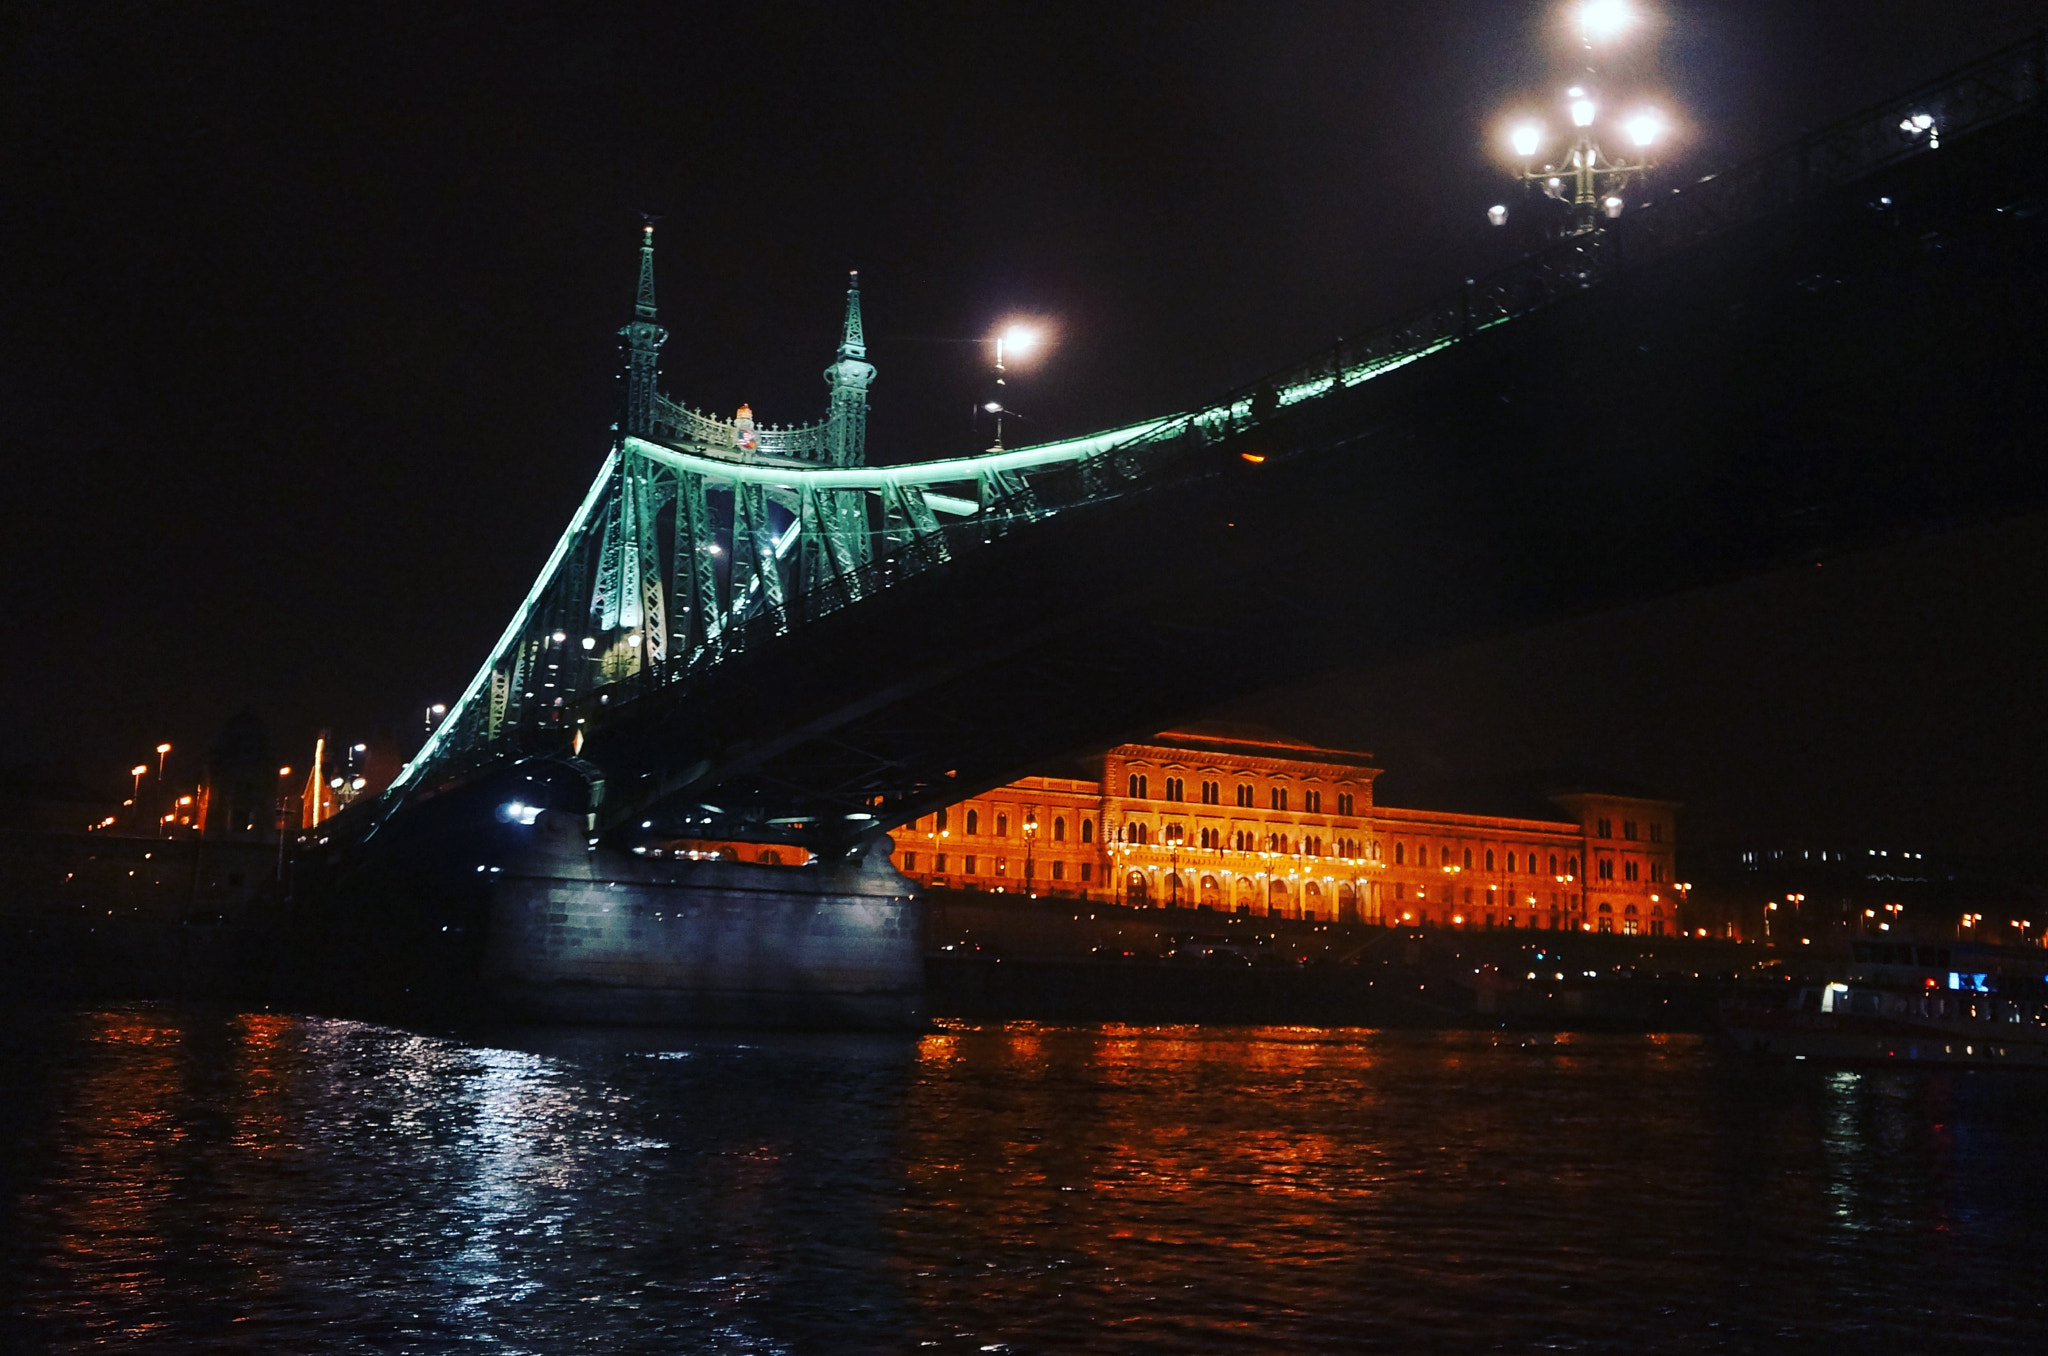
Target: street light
x: 1030, y: 841
x: 1015, y: 340
x: 162, y: 752
x: 1596, y: 184
x: 1603, y: 20
x: 1174, y: 838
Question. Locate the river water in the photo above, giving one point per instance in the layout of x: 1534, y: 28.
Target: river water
x: 183, y: 1179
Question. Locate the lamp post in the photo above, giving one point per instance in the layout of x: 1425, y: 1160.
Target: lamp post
x: 1017, y: 340
x: 1030, y: 841
x: 1173, y: 842
x: 1581, y: 172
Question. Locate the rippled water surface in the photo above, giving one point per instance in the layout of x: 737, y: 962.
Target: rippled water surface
x: 191, y: 1180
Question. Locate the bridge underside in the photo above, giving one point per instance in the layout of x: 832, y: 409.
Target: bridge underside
x: 1804, y: 385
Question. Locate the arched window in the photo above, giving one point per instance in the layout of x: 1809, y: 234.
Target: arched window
x: 1553, y: 863
x: 939, y: 821
x: 1002, y: 826
x: 1400, y: 852
x: 1489, y: 859
x: 1059, y: 831
x: 1087, y: 830
x: 1468, y: 859
x: 1137, y: 786
x: 973, y: 822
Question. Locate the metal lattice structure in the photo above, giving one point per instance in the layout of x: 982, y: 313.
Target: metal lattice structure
x: 702, y: 538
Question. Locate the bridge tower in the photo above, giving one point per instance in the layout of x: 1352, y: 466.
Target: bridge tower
x: 644, y: 337
x: 846, y: 419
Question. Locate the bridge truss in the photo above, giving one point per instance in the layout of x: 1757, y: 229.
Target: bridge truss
x: 704, y: 539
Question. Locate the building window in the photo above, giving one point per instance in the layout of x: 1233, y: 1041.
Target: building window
x: 1571, y: 865
x: 1212, y: 793
x: 1137, y: 787
x: 1059, y: 870
x: 1059, y: 831
x: 1400, y: 853
x: 1606, y: 868
x: 1087, y: 871
x: 939, y: 863
x: 1468, y: 859
x: 973, y: 826
x: 1087, y: 830
x: 1002, y: 826
x: 1656, y: 833
x: 1344, y: 802
x: 1002, y: 866
x: 967, y: 866
x: 1489, y: 859
x: 1628, y: 871
x: 1628, y: 829
x: 939, y: 821
x: 1400, y: 890
x: 1603, y: 828
x: 1279, y: 797
x: 1312, y: 802
x: 910, y: 861
x: 1176, y: 788
x: 1553, y: 863
x: 1244, y: 796
x: 1656, y: 872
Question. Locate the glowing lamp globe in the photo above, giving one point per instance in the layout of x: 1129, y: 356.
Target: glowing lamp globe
x: 1604, y: 20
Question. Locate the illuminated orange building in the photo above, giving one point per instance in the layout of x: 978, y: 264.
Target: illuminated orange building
x: 1241, y: 819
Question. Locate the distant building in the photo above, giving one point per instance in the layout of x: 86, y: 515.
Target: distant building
x: 1788, y: 890
x: 1242, y: 819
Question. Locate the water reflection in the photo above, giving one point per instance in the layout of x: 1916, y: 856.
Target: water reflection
x: 201, y: 1181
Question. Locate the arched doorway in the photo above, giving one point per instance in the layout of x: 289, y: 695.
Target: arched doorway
x: 1247, y: 894
x: 1278, y: 902
x: 1347, y: 902
x: 1212, y: 893
x: 1135, y: 891
x: 1312, y: 901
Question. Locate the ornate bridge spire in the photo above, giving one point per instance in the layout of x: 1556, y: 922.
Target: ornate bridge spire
x: 846, y: 421
x: 852, y: 343
x: 644, y: 338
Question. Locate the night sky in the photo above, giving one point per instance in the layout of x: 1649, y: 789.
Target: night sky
x: 309, y: 342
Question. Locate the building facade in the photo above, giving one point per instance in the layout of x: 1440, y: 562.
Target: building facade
x: 1243, y: 820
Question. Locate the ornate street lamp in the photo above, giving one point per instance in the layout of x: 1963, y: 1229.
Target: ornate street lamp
x: 1581, y: 171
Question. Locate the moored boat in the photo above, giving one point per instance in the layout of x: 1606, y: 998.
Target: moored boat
x: 1907, y: 1003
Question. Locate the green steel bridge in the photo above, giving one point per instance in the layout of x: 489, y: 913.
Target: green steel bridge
x: 751, y: 632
